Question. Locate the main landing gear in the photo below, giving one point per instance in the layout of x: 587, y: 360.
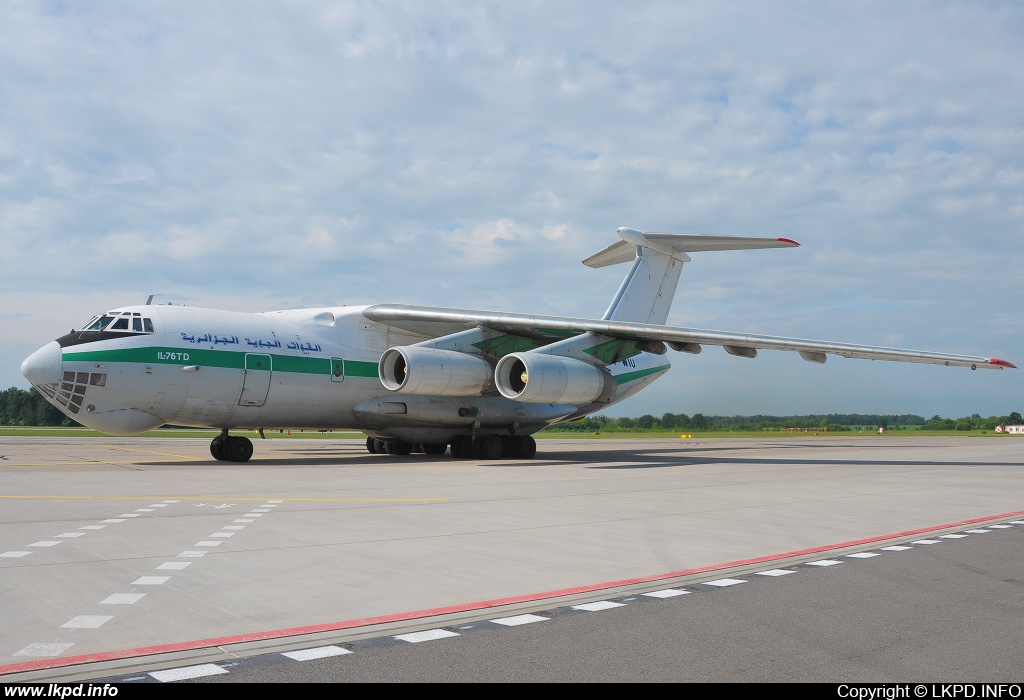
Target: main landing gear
x: 463, y: 447
x: 231, y: 448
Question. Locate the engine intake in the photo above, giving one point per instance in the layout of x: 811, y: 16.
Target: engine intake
x: 418, y: 370
x: 540, y: 378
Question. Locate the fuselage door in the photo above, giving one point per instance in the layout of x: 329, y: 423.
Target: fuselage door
x: 337, y: 369
x: 256, y: 381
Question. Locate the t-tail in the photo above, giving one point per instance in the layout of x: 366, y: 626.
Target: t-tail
x: 645, y: 295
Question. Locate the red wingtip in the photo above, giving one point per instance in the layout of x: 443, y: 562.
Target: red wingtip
x: 1002, y: 363
x: 789, y: 240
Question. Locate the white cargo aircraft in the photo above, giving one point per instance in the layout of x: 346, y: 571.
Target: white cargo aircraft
x: 409, y: 377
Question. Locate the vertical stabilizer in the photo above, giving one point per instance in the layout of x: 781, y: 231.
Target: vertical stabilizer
x: 645, y: 296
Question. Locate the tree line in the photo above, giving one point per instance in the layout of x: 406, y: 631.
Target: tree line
x: 833, y: 422
x: 20, y: 407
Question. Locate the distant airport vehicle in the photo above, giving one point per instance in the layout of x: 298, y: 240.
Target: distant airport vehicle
x: 409, y: 377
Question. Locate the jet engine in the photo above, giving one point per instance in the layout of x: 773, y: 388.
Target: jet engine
x: 540, y: 378
x: 421, y: 370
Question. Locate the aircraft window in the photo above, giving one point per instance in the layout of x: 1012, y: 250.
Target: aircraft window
x: 99, y: 322
x: 137, y: 324
x: 120, y: 324
x: 148, y: 324
x: 98, y: 379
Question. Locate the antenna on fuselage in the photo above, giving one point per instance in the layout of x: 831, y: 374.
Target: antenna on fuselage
x: 150, y: 300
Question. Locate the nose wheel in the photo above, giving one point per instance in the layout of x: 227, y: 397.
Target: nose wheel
x: 231, y: 448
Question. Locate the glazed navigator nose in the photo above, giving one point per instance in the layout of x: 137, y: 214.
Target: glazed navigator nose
x: 44, y: 365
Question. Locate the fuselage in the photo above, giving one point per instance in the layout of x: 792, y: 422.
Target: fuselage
x: 145, y: 366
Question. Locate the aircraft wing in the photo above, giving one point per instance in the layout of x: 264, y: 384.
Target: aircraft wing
x: 434, y: 322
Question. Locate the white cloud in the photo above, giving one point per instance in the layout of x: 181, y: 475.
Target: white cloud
x: 471, y: 155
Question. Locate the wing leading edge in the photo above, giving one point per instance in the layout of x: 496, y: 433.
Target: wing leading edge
x: 432, y: 322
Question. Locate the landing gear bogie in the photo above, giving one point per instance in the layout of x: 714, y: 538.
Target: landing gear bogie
x: 231, y: 448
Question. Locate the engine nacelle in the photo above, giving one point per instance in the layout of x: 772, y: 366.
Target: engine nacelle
x: 429, y: 371
x: 539, y: 378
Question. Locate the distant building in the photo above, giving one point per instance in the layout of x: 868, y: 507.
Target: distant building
x: 1012, y: 429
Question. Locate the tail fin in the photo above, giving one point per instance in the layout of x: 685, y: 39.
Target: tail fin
x: 645, y: 295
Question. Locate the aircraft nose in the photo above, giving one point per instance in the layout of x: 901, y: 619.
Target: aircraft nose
x: 44, y: 365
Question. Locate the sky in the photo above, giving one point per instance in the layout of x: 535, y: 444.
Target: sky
x: 265, y: 155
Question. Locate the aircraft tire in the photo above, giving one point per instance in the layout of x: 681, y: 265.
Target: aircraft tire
x: 239, y: 449
x: 217, y: 449
x: 438, y: 448
x: 524, y: 447
x: 371, y: 445
x: 491, y: 447
x: 398, y: 447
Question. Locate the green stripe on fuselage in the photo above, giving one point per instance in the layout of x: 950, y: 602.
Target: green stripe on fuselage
x: 229, y: 359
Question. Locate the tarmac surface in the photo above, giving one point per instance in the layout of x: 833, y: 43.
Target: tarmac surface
x: 131, y: 555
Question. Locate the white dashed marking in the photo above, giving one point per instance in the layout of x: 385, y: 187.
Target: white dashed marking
x: 245, y: 520
x: 15, y: 554
x: 316, y: 653
x: 45, y: 543
x: 951, y: 537
x: 174, y: 565
x: 978, y: 532
x: 122, y: 599
x: 425, y: 636
x: 151, y: 580
x: 824, y: 562
x: 44, y: 649
x: 863, y: 555
x: 92, y: 527
x: 598, y: 605
x: 158, y: 505
x: 775, y: 572
x: 896, y: 548
x: 926, y: 542
x: 666, y: 593
x: 723, y: 582
x: 999, y: 527
x: 517, y: 620
x: 223, y: 534
x: 207, y: 543
x: 89, y: 622
x: 113, y: 520
x: 128, y: 515
x: 143, y: 510
x: 190, y: 553
x: 72, y: 534
x: 182, y: 674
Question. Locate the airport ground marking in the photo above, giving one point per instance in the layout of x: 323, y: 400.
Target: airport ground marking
x: 473, y: 606
x: 221, y: 498
x: 151, y: 452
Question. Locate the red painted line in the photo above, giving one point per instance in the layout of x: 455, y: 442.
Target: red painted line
x: 467, y: 607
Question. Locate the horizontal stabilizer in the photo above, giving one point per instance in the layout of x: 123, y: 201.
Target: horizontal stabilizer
x: 625, y: 249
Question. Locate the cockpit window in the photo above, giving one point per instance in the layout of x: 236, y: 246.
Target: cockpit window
x: 99, y: 322
x: 123, y: 322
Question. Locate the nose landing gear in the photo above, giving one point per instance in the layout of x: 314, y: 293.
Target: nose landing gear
x: 231, y: 448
